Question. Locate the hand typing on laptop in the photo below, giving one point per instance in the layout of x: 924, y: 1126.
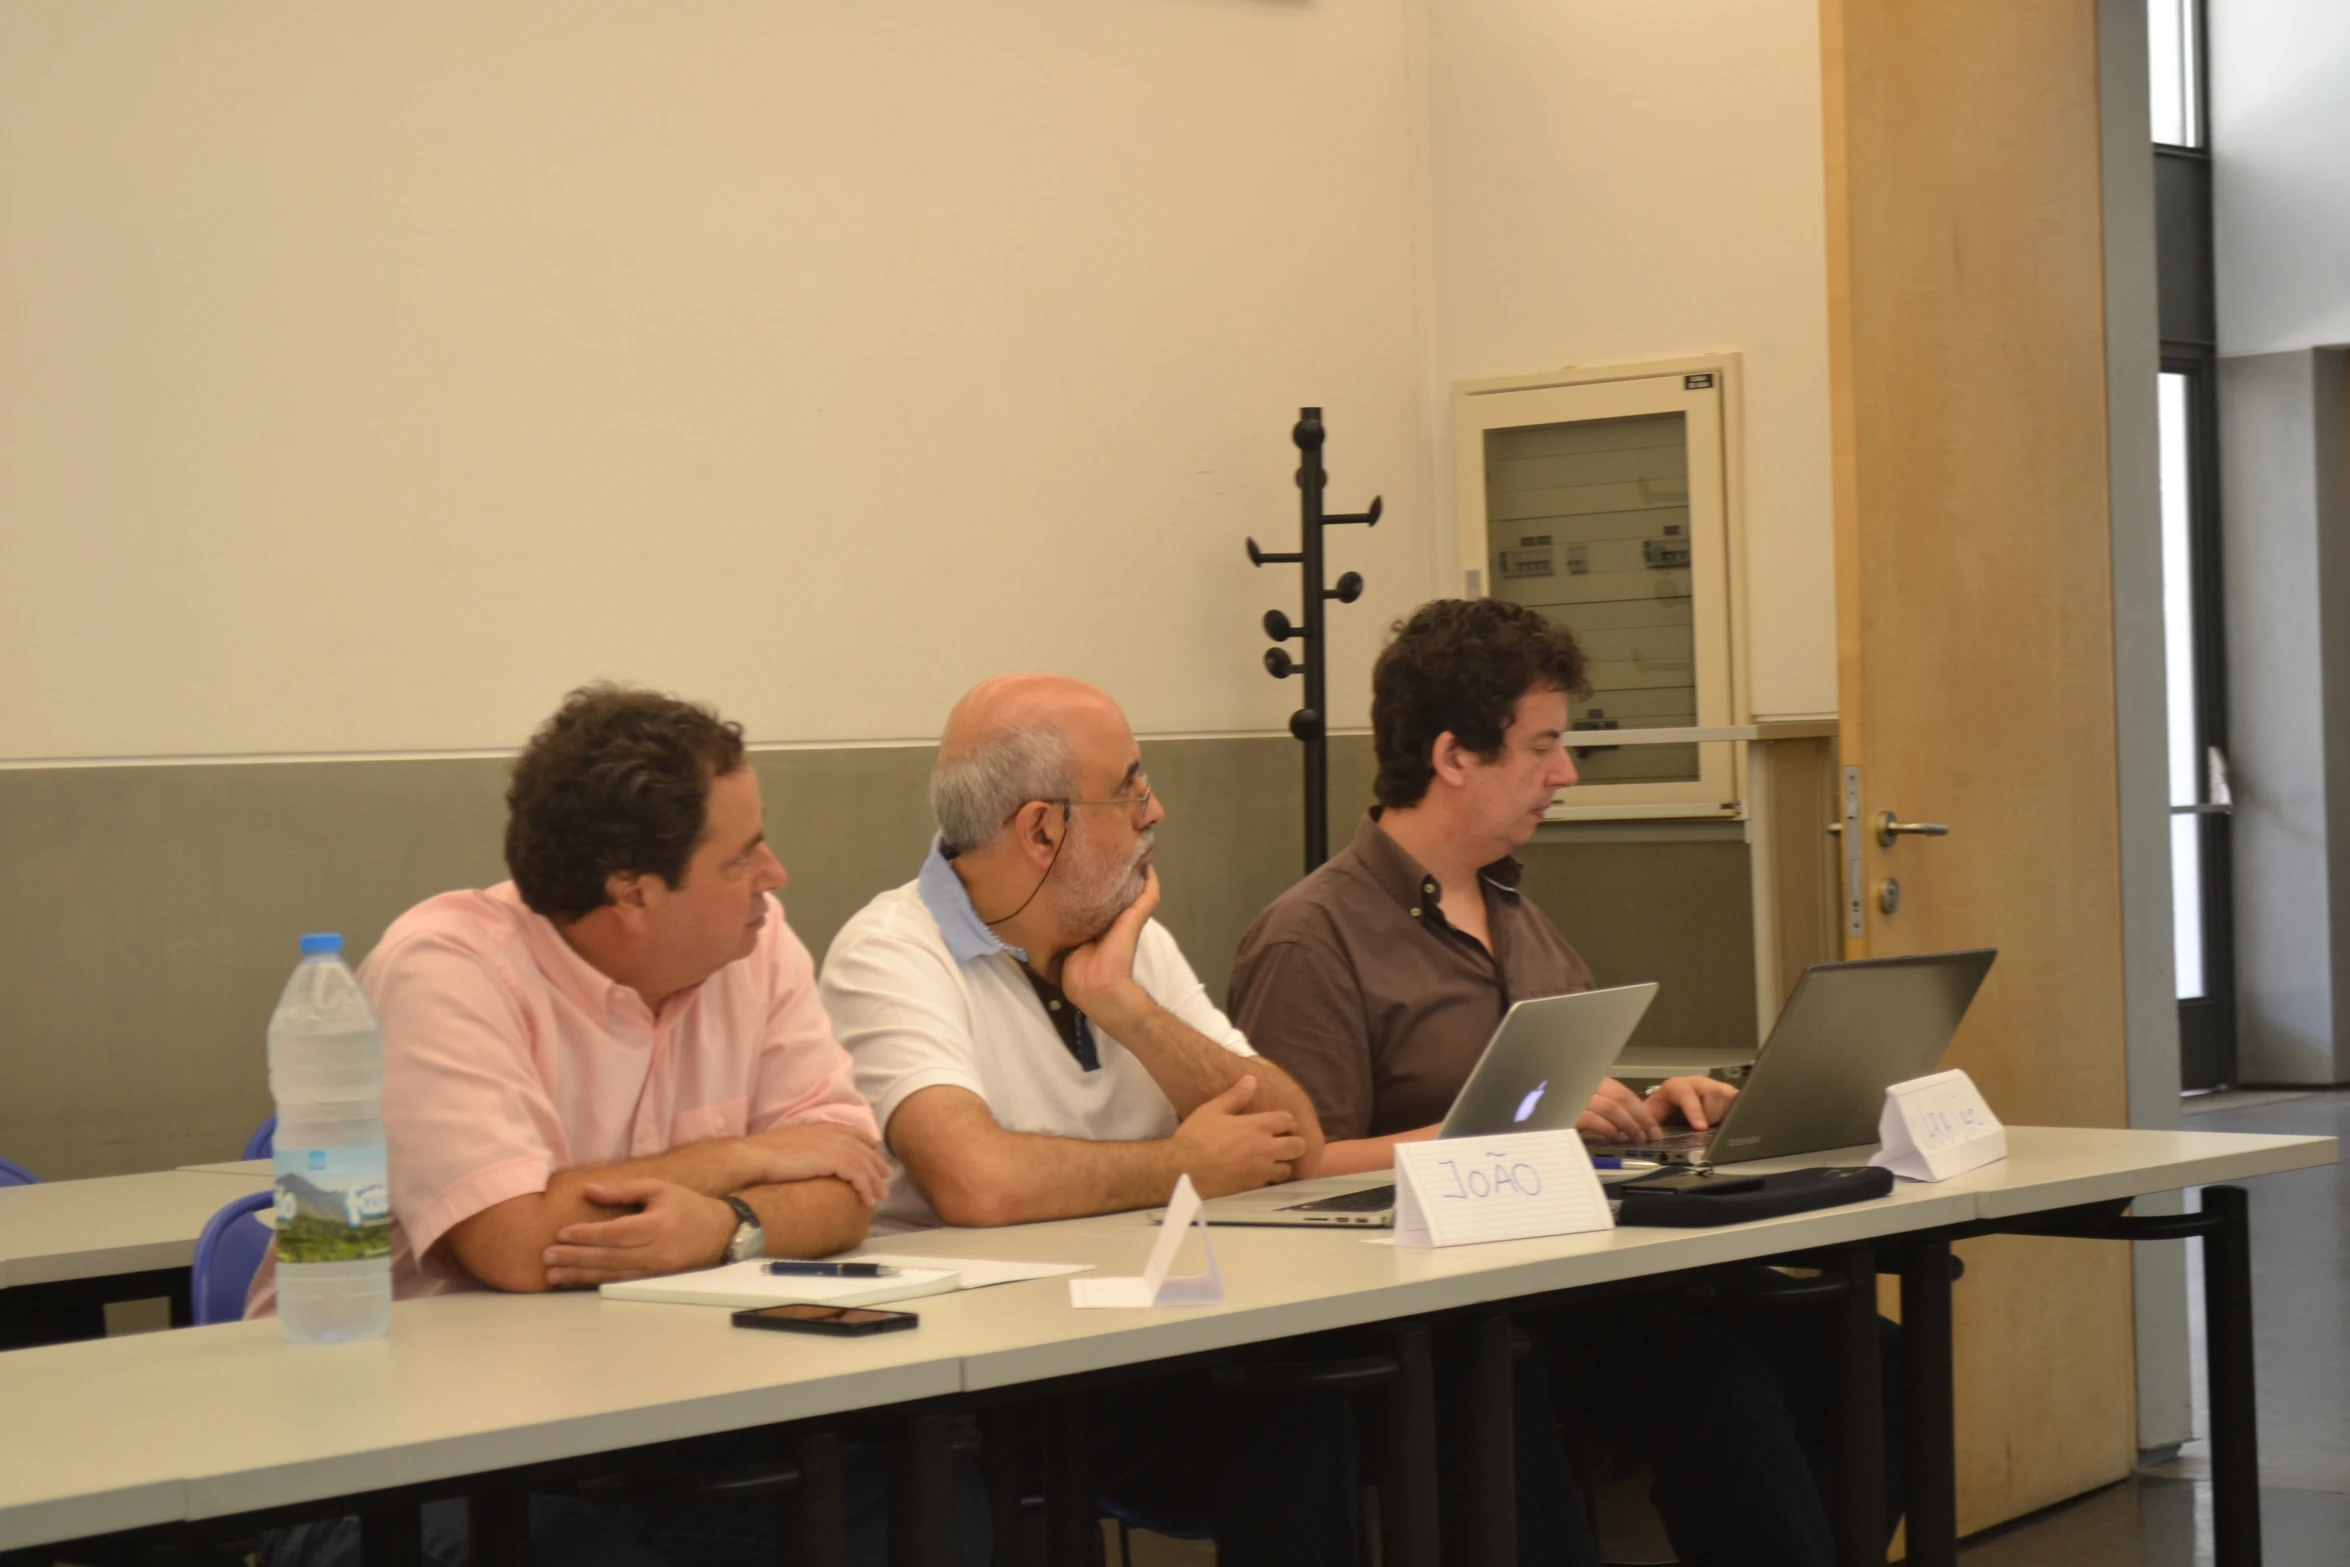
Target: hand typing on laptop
x: 1620, y: 1115
x: 1615, y: 1114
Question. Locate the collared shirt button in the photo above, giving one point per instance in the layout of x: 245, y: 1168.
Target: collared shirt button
x: 1054, y: 1005
x: 1415, y: 914
x: 1429, y: 888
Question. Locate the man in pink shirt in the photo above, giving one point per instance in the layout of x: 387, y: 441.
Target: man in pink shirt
x: 584, y: 1064
x: 612, y: 1066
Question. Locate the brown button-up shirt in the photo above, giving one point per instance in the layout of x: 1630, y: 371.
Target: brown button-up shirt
x: 1355, y: 984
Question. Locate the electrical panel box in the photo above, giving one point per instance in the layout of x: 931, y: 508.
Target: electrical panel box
x: 1602, y: 498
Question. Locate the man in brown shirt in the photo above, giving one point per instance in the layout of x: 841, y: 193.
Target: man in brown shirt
x: 1376, y: 983
x: 1377, y: 980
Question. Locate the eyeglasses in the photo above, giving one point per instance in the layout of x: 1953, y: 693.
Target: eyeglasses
x: 1139, y: 803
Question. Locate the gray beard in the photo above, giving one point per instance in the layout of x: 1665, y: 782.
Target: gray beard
x: 1092, y: 904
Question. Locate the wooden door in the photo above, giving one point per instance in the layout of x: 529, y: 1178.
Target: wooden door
x: 1976, y: 639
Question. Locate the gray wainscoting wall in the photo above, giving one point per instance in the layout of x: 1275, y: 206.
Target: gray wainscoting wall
x: 158, y: 907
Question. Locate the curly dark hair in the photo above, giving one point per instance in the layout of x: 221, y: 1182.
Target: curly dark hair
x: 1460, y: 665
x: 617, y: 781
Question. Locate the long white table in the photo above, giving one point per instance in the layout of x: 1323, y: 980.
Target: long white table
x: 69, y: 1248
x: 58, y: 1231
x: 210, y: 1423
x: 262, y: 1168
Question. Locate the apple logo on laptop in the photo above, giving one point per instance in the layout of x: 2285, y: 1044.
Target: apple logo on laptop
x: 1527, y: 1104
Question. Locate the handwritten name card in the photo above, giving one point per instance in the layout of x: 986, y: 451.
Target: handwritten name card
x: 1457, y: 1190
x: 1936, y: 1127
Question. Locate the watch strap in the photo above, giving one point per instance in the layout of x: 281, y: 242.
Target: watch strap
x: 746, y: 1220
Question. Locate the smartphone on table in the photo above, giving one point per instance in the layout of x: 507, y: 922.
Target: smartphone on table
x: 840, y: 1321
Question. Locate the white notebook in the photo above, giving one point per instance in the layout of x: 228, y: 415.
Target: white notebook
x: 750, y: 1284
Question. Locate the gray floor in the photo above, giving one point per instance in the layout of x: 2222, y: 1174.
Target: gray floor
x: 2161, y: 1517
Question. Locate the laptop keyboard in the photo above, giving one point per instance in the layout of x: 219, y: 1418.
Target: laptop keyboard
x: 1671, y: 1142
x: 1371, y: 1199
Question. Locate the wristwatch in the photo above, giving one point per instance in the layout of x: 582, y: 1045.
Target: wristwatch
x: 750, y: 1236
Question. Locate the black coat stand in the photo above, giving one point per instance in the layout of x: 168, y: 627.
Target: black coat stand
x: 1308, y: 723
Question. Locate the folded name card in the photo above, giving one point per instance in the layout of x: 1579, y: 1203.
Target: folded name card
x: 1936, y: 1127
x: 1153, y: 1286
x: 1456, y: 1190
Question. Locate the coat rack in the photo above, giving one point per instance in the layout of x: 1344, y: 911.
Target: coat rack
x: 1309, y: 723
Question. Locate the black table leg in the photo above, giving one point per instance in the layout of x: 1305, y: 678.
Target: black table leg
x: 2227, y: 1326
x: 1860, y: 1488
x: 818, y: 1534
x: 1073, y: 1532
x: 1407, y: 1467
x: 497, y: 1527
x: 1933, y: 1455
x: 34, y: 1314
x: 1477, y: 1469
x: 391, y: 1534
x: 922, y: 1512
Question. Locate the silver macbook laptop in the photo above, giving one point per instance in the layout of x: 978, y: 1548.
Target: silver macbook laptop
x: 1849, y: 1031
x: 1539, y: 1070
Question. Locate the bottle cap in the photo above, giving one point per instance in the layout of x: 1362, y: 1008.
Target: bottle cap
x: 322, y: 941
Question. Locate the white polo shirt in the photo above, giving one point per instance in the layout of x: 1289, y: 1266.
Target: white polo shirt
x: 921, y: 992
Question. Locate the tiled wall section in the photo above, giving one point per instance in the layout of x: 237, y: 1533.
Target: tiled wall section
x: 157, y: 907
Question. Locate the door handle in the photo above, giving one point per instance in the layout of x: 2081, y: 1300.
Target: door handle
x: 1890, y: 827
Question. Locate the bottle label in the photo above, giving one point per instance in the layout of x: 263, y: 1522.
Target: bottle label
x: 332, y: 1205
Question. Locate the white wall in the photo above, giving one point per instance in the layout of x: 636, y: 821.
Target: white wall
x: 372, y: 377
x: 369, y: 376
x: 1619, y: 182
x: 2280, y: 138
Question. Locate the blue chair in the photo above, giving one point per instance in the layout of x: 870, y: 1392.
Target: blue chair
x: 263, y: 1142
x: 228, y: 1254
x: 14, y: 1174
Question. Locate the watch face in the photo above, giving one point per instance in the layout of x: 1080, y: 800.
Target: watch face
x: 749, y: 1241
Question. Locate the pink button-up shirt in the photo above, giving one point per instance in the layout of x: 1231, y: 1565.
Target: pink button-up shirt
x: 508, y: 1056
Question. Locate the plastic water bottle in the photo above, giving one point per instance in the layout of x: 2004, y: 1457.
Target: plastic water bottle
x: 334, y: 1212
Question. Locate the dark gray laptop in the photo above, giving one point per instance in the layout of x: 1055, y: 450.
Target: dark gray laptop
x: 1849, y: 1032
x: 1538, y: 1071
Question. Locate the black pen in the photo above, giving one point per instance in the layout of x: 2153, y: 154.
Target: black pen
x: 832, y: 1270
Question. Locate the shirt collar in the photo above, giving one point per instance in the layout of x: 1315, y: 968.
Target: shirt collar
x: 969, y: 938
x: 1406, y: 880
x: 559, y: 961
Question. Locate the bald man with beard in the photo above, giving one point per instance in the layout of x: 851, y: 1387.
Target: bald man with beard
x: 1034, y: 1044
x: 1035, y: 1047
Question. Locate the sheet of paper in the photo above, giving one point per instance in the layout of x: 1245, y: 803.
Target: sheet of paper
x: 1459, y: 1190
x: 979, y: 1272
x: 1933, y: 1128
x: 1156, y: 1285
x: 742, y: 1284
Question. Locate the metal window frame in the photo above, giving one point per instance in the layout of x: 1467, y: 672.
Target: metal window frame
x: 2207, y: 1024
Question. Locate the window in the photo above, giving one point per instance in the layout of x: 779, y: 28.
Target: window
x: 2195, y: 684
x: 2186, y: 739
x: 2174, y: 60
